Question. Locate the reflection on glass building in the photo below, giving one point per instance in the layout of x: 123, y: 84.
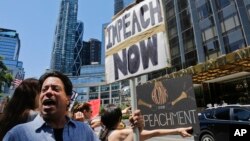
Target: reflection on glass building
x: 120, y: 4
x: 199, y: 30
x: 77, y: 63
x: 62, y: 55
x: 9, y: 51
x: 90, y: 84
x: 91, y: 76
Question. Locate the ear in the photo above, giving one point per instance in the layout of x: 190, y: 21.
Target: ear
x: 68, y: 101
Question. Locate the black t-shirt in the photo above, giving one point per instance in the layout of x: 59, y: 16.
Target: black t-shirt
x: 58, y: 133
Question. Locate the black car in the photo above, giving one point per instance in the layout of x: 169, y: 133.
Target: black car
x: 216, y: 124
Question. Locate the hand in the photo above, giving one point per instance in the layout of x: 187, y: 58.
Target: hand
x: 183, y: 131
x: 79, y: 116
x: 136, y: 120
x: 126, y: 110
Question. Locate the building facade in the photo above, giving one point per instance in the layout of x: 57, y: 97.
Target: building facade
x: 62, y: 55
x: 90, y: 84
x: 9, y: 51
x: 78, y: 49
x: 120, y: 4
x: 91, y: 75
x: 200, y: 31
x: 95, y: 51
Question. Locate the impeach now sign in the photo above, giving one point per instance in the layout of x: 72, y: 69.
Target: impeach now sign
x: 135, y: 42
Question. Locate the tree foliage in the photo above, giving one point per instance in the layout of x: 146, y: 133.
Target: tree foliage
x: 5, y: 76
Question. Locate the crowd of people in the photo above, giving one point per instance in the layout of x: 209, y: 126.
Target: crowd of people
x: 38, y: 110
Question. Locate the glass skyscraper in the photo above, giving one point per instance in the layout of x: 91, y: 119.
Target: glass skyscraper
x: 62, y: 55
x: 199, y: 30
x: 9, y: 51
x: 120, y: 4
x: 78, y: 49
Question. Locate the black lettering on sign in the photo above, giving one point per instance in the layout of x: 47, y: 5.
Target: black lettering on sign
x: 120, y: 64
x: 149, y: 52
x: 126, y: 25
x: 144, y: 22
x: 109, y: 44
x: 137, y: 55
x: 133, y: 59
x: 153, y: 11
x: 135, y: 23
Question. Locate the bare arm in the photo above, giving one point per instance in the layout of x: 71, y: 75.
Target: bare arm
x: 146, y: 134
x: 121, y: 135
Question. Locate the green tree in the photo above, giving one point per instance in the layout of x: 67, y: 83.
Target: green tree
x: 5, y: 76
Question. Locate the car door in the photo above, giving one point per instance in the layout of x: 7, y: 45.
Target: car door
x: 221, y: 126
x: 240, y: 119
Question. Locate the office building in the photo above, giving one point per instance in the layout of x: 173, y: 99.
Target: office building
x: 9, y: 51
x: 62, y: 55
x: 209, y: 39
x: 201, y: 31
x: 120, y: 4
x: 95, y: 51
x: 90, y: 75
x: 91, y: 52
x: 78, y: 49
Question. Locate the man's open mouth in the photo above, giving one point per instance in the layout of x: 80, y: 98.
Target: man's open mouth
x: 49, y: 102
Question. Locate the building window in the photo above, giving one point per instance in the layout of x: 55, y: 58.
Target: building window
x: 174, y: 47
x: 204, y: 8
x: 230, y: 23
x: 188, y: 40
x: 208, y: 33
x: 170, y: 9
x: 222, y: 3
x: 176, y: 63
x: 104, y: 95
x: 172, y: 28
x: 185, y: 20
x: 211, y: 47
x: 182, y: 4
x: 227, y: 12
x: 234, y: 40
x: 104, y: 88
x: 190, y: 58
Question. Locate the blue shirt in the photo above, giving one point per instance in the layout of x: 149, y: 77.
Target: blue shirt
x: 39, y: 130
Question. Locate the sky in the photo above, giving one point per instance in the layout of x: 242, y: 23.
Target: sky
x: 35, y: 22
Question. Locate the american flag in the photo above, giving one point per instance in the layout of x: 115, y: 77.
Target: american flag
x: 18, y: 79
x: 16, y: 83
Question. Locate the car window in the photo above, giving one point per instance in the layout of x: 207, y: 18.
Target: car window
x: 241, y: 115
x: 222, y: 114
x: 209, y: 114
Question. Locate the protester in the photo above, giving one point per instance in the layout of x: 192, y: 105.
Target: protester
x: 111, y: 117
x: 83, y: 112
x: 22, y: 107
x: 53, y: 124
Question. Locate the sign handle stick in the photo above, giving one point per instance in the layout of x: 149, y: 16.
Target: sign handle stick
x: 134, y: 104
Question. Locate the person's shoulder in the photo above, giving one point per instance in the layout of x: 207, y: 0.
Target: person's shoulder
x: 119, y: 133
x: 17, y: 130
x: 80, y: 124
